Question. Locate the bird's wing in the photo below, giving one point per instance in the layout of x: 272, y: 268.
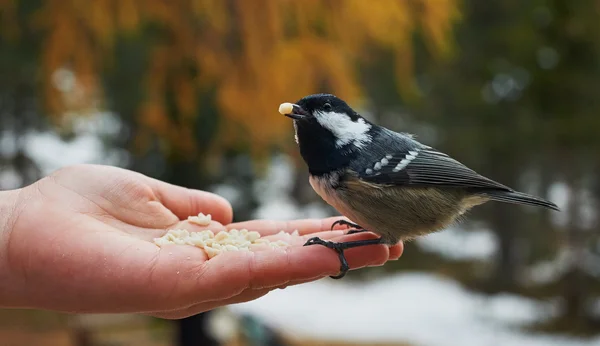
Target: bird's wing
x: 426, y: 166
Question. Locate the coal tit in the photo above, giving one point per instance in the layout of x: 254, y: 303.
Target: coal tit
x: 385, y: 181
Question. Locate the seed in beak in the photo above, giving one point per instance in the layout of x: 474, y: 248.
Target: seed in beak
x: 286, y: 108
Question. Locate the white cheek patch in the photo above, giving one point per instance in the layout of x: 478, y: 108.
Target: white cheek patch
x: 344, y: 129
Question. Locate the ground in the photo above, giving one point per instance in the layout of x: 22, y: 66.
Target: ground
x: 25, y: 328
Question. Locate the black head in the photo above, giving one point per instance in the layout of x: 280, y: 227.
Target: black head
x: 328, y: 131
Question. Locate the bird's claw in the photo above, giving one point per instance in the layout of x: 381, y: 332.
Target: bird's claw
x: 338, y: 247
x: 358, y: 229
x: 344, y: 223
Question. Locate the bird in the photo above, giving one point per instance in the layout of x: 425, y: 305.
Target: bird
x: 385, y: 182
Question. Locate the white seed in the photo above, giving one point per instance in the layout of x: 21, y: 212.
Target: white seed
x: 231, y: 240
x: 286, y: 108
x: 211, y: 252
x: 201, y: 219
x: 231, y: 248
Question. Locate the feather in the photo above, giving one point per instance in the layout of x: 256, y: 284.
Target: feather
x: 519, y: 198
x: 428, y: 167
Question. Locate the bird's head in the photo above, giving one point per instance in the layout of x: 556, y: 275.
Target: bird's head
x: 328, y: 130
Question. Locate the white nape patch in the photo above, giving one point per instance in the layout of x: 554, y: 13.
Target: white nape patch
x: 369, y: 171
x: 406, y: 160
x: 344, y: 129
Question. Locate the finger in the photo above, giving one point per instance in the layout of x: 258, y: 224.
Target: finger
x: 396, y: 251
x: 364, y: 256
x: 305, y: 226
x: 230, y: 273
x: 299, y: 240
x: 185, y: 202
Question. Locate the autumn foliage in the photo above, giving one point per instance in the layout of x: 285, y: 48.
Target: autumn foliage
x: 253, y: 54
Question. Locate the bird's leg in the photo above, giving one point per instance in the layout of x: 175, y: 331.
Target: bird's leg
x: 340, y: 247
x: 358, y: 229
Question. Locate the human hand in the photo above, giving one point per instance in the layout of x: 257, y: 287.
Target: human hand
x: 80, y: 240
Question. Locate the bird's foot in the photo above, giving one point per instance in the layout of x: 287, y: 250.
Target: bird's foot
x: 340, y: 247
x: 358, y: 229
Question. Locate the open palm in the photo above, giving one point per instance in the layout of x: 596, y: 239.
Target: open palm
x: 81, y: 241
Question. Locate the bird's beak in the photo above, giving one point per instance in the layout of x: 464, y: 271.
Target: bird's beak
x: 293, y: 111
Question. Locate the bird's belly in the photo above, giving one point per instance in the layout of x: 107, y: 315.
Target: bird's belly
x: 394, y: 213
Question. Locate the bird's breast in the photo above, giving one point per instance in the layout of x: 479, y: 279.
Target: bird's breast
x: 325, y: 187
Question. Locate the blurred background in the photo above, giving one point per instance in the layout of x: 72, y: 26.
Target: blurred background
x: 187, y: 92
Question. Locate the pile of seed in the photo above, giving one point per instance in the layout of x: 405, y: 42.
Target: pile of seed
x: 214, y: 244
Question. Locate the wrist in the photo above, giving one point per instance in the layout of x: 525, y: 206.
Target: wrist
x: 8, y: 205
x: 8, y: 211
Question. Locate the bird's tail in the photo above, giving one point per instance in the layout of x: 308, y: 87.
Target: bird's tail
x: 519, y: 198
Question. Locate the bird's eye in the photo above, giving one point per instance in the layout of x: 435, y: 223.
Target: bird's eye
x: 327, y: 106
